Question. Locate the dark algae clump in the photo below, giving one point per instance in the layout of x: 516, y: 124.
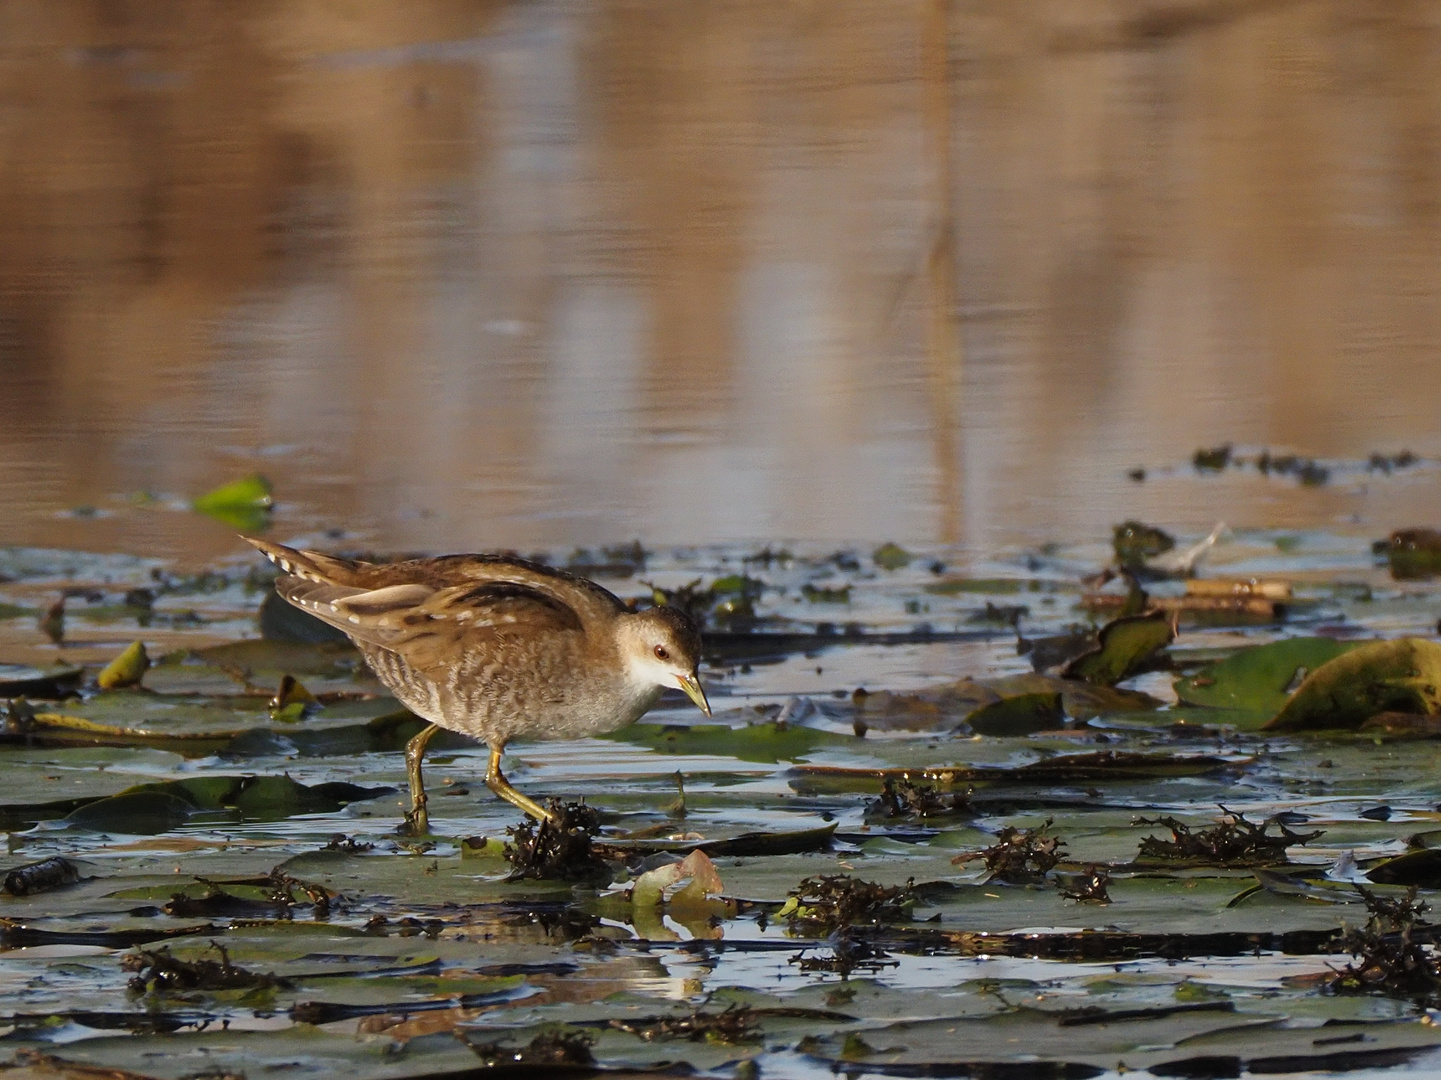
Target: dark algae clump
x: 901, y: 798
x: 831, y: 901
x: 157, y: 970
x: 1020, y: 856
x: 1233, y: 841
x: 1387, y: 957
x: 563, y: 852
x: 553, y: 1048
x: 733, y: 1024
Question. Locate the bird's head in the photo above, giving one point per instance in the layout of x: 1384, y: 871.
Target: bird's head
x: 661, y: 647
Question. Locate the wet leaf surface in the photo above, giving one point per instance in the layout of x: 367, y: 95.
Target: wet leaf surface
x: 1401, y: 676
x: 807, y: 905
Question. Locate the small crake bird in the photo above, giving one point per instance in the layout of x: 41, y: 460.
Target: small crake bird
x: 496, y: 648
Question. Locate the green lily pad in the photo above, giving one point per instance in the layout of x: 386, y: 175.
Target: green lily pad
x: 139, y: 813
x: 1123, y: 646
x: 1257, y: 679
x: 891, y: 556
x: 1023, y: 714
x: 768, y: 743
x: 243, y: 504
x: 1403, y: 676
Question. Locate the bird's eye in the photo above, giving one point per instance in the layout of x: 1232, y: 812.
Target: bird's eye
x: 661, y: 653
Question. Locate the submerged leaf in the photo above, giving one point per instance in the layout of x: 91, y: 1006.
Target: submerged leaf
x: 1123, y: 646
x: 1024, y: 714
x: 1403, y: 675
x: 242, y: 504
x: 127, y: 669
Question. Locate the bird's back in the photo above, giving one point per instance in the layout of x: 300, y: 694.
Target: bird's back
x: 490, y: 645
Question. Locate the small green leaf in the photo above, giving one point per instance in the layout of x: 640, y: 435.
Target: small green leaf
x: 891, y: 556
x: 243, y: 504
x: 1123, y: 645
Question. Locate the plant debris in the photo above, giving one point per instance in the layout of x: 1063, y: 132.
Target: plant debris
x: 158, y: 971
x: 1020, y: 856
x: 275, y: 895
x: 901, y: 797
x: 40, y: 876
x: 1089, y: 886
x: 563, y: 852
x: 1234, y: 841
x: 547, y: 1048
x: 828, y: 902
x: 734, y: 1024
x: 347, y: 844
x: 1212, y: 459
x: 1388, y: 959
x: 848, y: 953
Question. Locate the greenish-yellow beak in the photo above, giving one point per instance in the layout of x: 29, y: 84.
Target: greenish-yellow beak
x: 691, y: 685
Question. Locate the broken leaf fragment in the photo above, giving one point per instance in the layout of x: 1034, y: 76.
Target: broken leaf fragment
x: 691, y: 880
x: 243, y: 504
x: 292, y: 701
x: 1122, y: 647
x: 1402, y: 676
x: 127, y: 669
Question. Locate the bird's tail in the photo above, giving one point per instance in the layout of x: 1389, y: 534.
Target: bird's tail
x: 310, y: 565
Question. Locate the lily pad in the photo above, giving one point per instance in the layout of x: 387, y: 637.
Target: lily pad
x: 769, y: 743
x: 1403, y: 675
x: 1122, y: 648
x: 1258, y: 679
x: 1024, y: 714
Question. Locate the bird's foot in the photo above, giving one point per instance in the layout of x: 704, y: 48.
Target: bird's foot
x: 417, y: 820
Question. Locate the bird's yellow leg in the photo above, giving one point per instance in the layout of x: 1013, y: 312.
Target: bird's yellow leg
x: 417, y: 821
x: 496, y: 781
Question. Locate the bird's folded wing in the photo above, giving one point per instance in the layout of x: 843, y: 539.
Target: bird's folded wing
x: 421, y: 619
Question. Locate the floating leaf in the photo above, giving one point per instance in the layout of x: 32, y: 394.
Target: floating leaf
x: 1403, y: 675
x: 955, y: 586
x: 770, y: 742
x: 292, y: 702
x: 52, y: 686
x: 1123, y: 646
x: 690, y: 880
x: 891, y: 556
x: 138, y: 813
x: 242, y: 504
x: 127, y: 669
x: 1422, y: 868
x: 1258, y: 679
x: 1024, y: 714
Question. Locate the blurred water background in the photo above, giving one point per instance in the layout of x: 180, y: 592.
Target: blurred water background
x: 545, y: 272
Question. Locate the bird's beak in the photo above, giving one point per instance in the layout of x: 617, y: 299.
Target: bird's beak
x: 691, y: 685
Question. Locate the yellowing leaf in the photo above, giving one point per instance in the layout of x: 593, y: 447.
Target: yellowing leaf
x: 1384, y: 676
x: 127, y: 669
